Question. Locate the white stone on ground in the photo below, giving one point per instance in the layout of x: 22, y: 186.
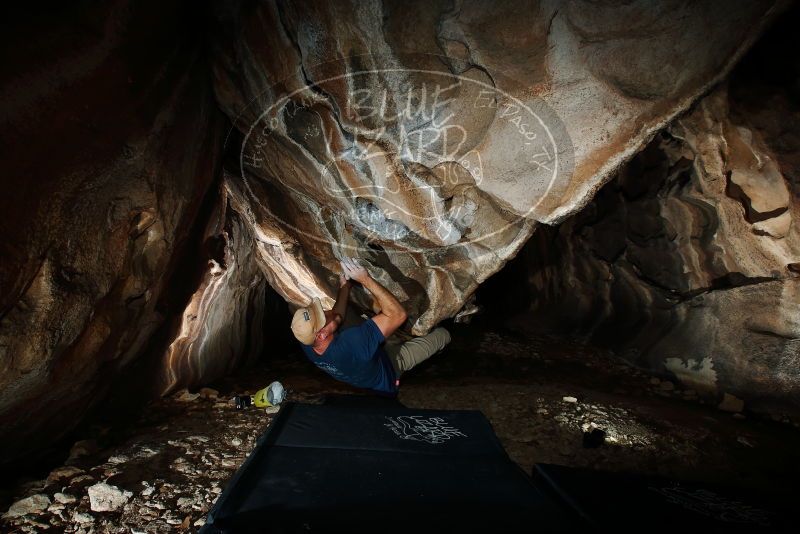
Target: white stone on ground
x: 34, y: 503
x: 185, y: 396
x: 106, y: 498
x: 80, y: 517
x: 64, y: 498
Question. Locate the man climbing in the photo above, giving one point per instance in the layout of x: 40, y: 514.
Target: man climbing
x: 357, y: 354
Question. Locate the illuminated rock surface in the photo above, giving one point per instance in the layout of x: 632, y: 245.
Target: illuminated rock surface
x: 430, y: 142
x: 689, y: 258
x: 125, y: 246
x: 221, y: 327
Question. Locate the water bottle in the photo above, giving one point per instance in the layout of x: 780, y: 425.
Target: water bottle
x: 272, y: 395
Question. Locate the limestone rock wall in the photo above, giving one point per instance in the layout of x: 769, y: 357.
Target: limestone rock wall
x: 689, y: 258
x: 222, y: 327
x: 429, y: 139
x: 110, y: 142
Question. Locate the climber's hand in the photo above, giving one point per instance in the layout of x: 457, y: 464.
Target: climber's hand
x: 354, y: 271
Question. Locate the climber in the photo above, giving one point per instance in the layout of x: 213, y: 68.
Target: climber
x: 357, y: 354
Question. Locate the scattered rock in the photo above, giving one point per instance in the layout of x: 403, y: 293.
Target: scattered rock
x: 666, y: 385
x: 145, y: 452
x: 184, y: 502
x: 82, y: 448
x: 29, y: 505
x: 655, y: 381
x: 236, y: 442
x: 106, y: 498
x: 81, y: 479
x: 184, y: 396
x: 570, y: 399
x: 272, y: 409
x: 208, y: 393
x: 61, y: 473
x: 81, y: 517
x: 731, y: 403
x: 64, y: 498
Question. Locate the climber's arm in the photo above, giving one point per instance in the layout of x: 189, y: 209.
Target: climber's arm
x: 340, y: 307
x: 392, y: 315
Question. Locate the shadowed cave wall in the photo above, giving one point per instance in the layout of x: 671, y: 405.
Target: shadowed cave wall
x: 129, y: 250
x: 686, y: 263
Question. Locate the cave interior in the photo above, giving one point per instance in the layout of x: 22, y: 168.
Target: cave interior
x: 600, y: 202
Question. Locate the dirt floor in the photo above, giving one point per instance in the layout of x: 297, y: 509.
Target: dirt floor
x: 164, y: 471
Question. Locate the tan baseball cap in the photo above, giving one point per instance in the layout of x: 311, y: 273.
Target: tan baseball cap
x: 307, y: 322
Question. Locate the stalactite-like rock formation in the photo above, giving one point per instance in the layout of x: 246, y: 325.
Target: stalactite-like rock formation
x: 431, y: 140
x: 221, y: 327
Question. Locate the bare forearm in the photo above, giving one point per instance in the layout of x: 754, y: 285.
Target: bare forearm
x: 342, y: 297
x: 389, y: 305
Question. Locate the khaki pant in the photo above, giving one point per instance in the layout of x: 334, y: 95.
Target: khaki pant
x: 404, y: 356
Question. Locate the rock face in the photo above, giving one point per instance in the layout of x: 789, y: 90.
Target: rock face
x: 110, y: 141
x: 430, y: 140
x: 689, y: 258
x: 221, y: 327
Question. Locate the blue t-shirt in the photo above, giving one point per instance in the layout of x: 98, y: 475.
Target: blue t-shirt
x: 356, y: 356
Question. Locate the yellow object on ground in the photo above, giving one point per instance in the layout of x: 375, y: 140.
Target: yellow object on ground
x: 269, y: 396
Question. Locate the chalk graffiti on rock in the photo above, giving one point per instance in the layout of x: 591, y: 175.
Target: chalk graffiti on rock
x: 419, y: 157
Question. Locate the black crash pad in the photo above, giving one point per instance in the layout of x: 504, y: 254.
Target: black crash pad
x: 614, y: 502
x: 361, y: 465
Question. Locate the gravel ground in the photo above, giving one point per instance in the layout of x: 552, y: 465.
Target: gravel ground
x: 163, y: 472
